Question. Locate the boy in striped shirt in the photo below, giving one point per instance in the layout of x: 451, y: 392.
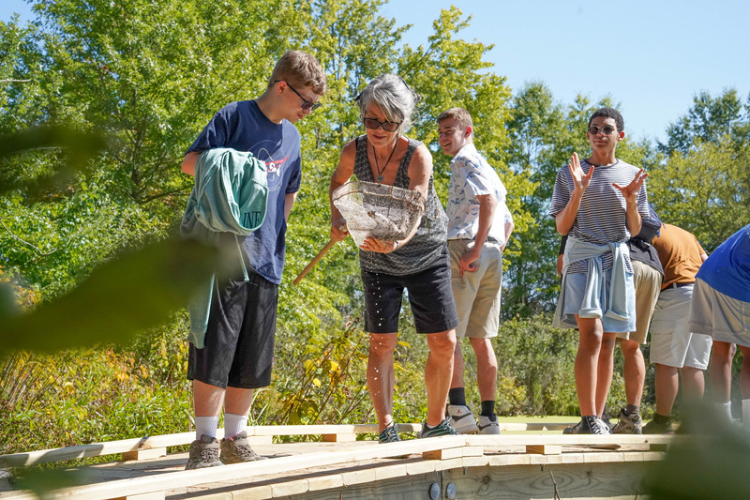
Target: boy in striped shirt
x: 598, y: 202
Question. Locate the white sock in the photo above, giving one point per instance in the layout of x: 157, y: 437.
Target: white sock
x: 746, y: 413
x: 725, y: 409
x: 207, y: 426
x: 234, y: 424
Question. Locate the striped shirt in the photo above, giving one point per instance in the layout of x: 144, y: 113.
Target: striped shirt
x: 601, y: 216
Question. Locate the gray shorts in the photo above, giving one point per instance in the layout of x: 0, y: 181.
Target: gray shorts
x: 724, y: 318
x: 673, y: 343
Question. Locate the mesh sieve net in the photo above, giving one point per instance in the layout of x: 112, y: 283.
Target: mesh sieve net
x: 377, y: 210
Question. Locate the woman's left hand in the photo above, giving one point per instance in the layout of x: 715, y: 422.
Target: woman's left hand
x: 379, y: 246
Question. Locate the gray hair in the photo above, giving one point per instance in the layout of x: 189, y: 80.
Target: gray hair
x: 393, y: 96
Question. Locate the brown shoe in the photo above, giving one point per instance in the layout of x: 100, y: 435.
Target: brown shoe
x: 235, y: 450
x: 204, y: 452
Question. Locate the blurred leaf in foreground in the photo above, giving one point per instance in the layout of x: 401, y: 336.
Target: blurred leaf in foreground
x: 45, y: 482
x: 137, y: 290
x: 80, y: 147
x: 708, y: 463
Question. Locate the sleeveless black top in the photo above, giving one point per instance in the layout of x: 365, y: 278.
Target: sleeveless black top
x: 429, y: 242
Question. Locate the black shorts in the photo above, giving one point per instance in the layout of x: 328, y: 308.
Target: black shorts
x: 239, y: 341
x: 430, y: 296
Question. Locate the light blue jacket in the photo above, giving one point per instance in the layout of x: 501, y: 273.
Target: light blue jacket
x: 577, y: 250
x: 230, y: 196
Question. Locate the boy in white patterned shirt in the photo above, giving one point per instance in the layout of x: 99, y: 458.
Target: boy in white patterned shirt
x: 479, y: 227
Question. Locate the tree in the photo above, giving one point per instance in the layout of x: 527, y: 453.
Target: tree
x: 708, y: 120
x: 705, y: 191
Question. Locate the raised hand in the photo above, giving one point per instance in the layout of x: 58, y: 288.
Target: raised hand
x: 630, y: 192
x: 580, y: 179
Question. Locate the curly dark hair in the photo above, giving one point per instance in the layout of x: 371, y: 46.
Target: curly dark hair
x: 610, y: 113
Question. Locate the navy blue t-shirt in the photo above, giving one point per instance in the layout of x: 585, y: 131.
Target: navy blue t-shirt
x: 242, y: 126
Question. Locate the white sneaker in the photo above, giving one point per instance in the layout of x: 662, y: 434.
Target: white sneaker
x: 487, y: 426
x: 462, y: 419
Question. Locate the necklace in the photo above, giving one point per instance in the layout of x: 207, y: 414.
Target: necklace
x: 379, y: 177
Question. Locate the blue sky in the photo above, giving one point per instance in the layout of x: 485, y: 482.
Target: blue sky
x: 652, y: 57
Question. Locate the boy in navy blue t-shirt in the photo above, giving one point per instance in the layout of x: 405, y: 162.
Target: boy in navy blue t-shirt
x: 238, y: 353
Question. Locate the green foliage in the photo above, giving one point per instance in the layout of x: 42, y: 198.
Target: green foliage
x: 149, y: 76
x: 326, y: 382
x: 540, y: 359
x: 98, y: 394
x: 710, y: 119
x: 706, y: 190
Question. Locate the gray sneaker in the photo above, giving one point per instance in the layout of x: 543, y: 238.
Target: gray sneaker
x: 488, y: 426
x: 573, y: 429
x: 654, y: 428
x: 462, y: 419
x: 444, y: 428
x: 235, y: 450
x: 389, y: 434
x: 628, y: 424
x: 204, y: 452
x: 592, y: 424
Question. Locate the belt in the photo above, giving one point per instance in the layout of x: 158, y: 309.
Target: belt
x: 678, y: 285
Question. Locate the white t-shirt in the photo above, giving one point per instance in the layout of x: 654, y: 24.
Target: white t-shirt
x: 472, y: 176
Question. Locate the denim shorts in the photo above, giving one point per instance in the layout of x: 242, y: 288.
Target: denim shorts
x: 575, y: 287
x: 430, y: 296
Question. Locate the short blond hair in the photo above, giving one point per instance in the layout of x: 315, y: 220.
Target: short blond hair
x: 300, y: 69
x: 459, y: 114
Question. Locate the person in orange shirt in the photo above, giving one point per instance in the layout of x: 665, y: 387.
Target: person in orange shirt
x: 675, y: 350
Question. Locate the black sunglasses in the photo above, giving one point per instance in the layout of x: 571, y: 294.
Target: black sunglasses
x: 606, y: 130
x: 374, y: 124
x: 306, y: 105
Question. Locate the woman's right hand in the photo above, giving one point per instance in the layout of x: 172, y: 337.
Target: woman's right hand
x: 338, y: 229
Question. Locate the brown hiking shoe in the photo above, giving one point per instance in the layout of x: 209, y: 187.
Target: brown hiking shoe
x: 204, y: 452
x: 235, y: 450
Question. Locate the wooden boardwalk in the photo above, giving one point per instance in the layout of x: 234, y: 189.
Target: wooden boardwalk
x: 523, y: 462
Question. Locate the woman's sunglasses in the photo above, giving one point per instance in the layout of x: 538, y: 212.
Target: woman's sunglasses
x: 374, y: 124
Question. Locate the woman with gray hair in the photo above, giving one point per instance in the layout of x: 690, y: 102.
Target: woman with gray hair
x: 420, y: 262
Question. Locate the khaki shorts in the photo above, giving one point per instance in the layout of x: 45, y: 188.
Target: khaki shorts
x: 647, y: 285
x: 673, y: 342
x: 477, y: 294
x: 724, y: 318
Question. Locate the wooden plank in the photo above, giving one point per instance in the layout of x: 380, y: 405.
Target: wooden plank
x: 162, y: 482
x: 339, y: 438
x: 144, y: 496
x: 487, y: 441
x: 544, y: 449
x: 317, y: 483
x: 256, y: 434
x: 480, y: 461
x: 420, y: 467
x: 358, y: 477
x: 136, y: 444
x: 390, y: 471
x: 443, y: 454
x: 144, y: 454
x: 288, y: 488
